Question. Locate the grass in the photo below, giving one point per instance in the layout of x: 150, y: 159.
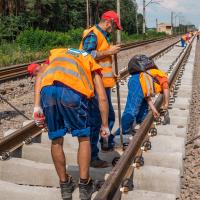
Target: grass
x: 13, y: 53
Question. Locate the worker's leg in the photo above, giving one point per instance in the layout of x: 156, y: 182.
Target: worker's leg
x: 111, y: 116
x: 86, y: 184
x: 111, y: 121
x: 134, y: 101
x: 56, y: 130
x: 95, y: 125
x: 142, y: 113
x: 84, y: 156
x: 58, y: 157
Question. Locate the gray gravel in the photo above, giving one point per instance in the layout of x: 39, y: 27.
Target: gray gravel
x: 191, y: 180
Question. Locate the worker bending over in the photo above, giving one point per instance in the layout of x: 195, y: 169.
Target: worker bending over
x: 145, y: 81
x: 62, y: 92
x: 96, y: 41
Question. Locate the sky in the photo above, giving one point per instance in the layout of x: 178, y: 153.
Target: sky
x: 189, y: 10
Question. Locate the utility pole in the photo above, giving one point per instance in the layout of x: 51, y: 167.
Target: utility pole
x: 136, y: 19
x: 156, y: 24
x: 172, y: 17
x: 88, y: 13
x: 144, y: 17
x: 118, y: 31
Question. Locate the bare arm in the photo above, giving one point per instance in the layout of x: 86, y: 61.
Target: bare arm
x: 166, y: 98
x: 153, y: 108
x: 102, y: 98
x: 37, y: 91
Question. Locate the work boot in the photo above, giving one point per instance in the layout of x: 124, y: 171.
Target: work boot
x: 67, y: 189
x: 166, y: 119
x: 107, y: 146
x: 86, y: 189
x: 98, y: 163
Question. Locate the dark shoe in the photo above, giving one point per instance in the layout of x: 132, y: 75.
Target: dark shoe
x: 67, y: 189
x: 166, y: 119
x: 86, y: 190
x: 107, y: 146
x: 98, y: 163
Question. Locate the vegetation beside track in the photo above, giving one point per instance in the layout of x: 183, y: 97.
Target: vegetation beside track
x: 33, y: 45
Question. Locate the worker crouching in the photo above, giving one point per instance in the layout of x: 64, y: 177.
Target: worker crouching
x: 63, y: 90
x: 145, y: 81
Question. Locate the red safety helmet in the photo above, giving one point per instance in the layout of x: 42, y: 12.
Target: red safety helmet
x: 114, y: 16
x: 31, y: 68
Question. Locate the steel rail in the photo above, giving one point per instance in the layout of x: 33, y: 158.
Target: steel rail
x: 17, y: 71
x: 18, y: 138
x: 112, y: 184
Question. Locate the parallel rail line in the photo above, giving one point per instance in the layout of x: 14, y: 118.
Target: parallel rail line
x: 17, y: 71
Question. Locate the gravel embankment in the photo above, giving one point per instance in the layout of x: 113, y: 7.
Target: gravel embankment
x: 191, y: 180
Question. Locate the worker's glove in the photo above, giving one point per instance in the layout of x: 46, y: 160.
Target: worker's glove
x: 38, y: 116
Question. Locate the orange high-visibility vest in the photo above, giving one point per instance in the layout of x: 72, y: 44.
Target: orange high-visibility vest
x: 106, y: 62
x: 73, y: 70
x: 184, y: 37
x: 149, y: 86
x: 55, y: 52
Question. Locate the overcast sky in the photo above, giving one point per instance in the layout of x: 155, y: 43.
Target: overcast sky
x: 189, y: 9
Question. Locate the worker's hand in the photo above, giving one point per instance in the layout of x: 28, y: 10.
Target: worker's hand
x: 165, y: 107
x: 117, y: 77
x: 114, y: 49
x: 104, y: 132
x: 38, y: 116
x: 156, y: 114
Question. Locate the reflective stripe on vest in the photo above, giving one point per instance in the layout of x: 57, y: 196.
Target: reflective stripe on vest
x: 105, y: 64
x: 62, y: 69
x: 73, y: 62
x: 107, y: 74
x: 149, y: 84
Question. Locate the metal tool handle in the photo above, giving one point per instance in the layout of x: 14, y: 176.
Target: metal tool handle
x: 21, y: 113
x: 118, y: 101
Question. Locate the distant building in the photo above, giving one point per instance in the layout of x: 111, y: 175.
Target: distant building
x: 191, y: 27
x: 163, y: 27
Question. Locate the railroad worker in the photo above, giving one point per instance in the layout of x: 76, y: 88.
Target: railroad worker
x: 34, y: 68
x: 64, y: 89
x: 184, y: 39
x: 96, y: 41
x: 198, y: 33
x: 145, y: 81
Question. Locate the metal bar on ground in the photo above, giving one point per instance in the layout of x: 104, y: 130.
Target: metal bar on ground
x: 21, y: 113
x: 118, y: 101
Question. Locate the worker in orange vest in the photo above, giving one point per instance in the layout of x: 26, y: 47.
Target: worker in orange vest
x: 62, y: 93
x: 145, y: 81
x: 96, y: 41
x: 184, y: 40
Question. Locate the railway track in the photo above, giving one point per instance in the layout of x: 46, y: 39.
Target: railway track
x: 17, y: 71
x: 27, y: 161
